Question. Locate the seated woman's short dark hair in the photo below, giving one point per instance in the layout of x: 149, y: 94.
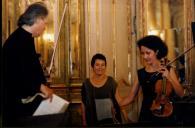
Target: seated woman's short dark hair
x: 97, y: 56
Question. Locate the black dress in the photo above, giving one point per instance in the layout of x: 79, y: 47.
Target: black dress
x: 147, y: 82
x: 89, y: 96
x: 22, y: 74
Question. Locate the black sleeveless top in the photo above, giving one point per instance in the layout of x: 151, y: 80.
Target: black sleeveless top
x: 147, y: 81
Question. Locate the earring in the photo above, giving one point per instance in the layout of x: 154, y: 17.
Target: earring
x: 157, y: 52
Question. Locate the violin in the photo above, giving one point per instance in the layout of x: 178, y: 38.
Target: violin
x: 162, y: 106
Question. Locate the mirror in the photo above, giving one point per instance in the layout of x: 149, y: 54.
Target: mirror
x: 64, y: 31
x: 75, y: 36
x: 165, y: 18
x: 68, y: 28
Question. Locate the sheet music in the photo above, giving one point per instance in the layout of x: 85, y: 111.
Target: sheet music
x: 103, y: 108
x: 58, y: 105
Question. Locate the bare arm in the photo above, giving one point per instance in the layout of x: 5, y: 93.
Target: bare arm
x: 129, y: 99
x: 83, y: 114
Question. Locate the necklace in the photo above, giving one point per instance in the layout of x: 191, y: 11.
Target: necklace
x: 98, y: 81
x: 153, y: 68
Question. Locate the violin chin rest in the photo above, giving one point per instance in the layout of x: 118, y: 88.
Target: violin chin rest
x: 162, y: 110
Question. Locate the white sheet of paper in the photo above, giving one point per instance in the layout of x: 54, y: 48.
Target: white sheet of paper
x: 103, y: 108
x: 58, y: 105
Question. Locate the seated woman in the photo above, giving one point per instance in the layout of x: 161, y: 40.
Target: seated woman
x: 98, y: 95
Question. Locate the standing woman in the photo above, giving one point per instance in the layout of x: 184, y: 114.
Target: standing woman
x: 98, y: 95
x: 152, y: 50
x: 22, y: 72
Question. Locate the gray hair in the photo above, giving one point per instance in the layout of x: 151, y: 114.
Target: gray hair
x: 32, y: 13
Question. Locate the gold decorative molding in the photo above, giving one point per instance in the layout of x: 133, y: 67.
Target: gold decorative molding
x: 114, y: 37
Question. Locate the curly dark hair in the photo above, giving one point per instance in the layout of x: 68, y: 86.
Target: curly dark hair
x: 98, y: 56
x: 32, y: 13
x: 155, y: 43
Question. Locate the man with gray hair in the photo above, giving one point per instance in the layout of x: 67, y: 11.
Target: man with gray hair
x: 22, y: 72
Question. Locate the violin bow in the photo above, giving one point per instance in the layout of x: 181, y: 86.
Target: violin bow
x: 56, y: 39
x: 156, y: 74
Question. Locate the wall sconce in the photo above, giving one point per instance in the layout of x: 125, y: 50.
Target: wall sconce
x: 48, y: 37
x: 157, y: 33
x: 153, y: 32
